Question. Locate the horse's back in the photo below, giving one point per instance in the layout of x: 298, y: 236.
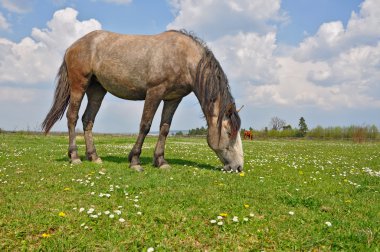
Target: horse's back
x: 127, y: 65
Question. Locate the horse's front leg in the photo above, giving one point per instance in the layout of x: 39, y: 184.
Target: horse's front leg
x: 152, y: 101
x: 166, y: 120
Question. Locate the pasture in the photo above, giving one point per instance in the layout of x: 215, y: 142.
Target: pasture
x: 293, y: 195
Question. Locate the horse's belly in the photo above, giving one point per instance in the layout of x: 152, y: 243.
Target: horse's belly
x: 125, y: 90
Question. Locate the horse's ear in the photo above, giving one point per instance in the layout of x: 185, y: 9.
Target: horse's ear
x: 230, y: 109
x: 240, y: 109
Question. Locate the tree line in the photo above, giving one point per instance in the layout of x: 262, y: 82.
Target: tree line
x: 278, y: 128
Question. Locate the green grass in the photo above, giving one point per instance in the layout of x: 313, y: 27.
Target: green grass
x: 172, y: 210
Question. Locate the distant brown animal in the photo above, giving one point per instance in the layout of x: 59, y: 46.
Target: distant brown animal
x: 163, y: 67
x: 248, y: 135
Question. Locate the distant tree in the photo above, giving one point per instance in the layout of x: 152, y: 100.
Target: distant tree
x: 276, y: 123
x: 198, y: 131
x: 302, y: 127
x: 287, y: 127
x: 179, y: 133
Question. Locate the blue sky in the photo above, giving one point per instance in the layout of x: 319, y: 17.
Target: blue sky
x: 289, y: 58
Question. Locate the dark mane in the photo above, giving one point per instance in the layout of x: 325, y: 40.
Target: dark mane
x: 210, y: 83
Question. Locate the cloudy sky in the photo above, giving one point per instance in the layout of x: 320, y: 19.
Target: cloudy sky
x: 286, y: 58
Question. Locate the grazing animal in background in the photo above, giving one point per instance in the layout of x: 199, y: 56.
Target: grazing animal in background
x: 163, y: 67
x: 248, y: 135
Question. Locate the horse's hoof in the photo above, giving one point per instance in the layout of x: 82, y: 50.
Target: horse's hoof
x: 164, y: 167
x: 98, y: 161
x: 137, y: 168
x: 76, y: 161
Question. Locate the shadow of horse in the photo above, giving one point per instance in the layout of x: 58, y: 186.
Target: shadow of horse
x: 148, y: 160
x: 171, y: 161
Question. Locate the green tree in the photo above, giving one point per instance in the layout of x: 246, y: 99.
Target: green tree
x: 302, y: 127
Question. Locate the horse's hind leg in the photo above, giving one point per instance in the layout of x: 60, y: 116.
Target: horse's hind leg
x: 95, y: 94
x: 76, y: 96
x: 166, y: 120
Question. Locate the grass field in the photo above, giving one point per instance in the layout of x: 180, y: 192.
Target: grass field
x: 293, y: 195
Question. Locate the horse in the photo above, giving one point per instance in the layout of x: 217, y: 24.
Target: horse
x: 162, y: 67
x: 248, y: 135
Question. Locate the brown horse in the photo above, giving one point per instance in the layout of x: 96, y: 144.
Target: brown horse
x: 163, y: 67
x: 248, y: 135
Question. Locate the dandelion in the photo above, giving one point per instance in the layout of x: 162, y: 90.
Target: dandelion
x: 242, y: 174
x: 61, y: 214
x: 45, y: 235
x: 67, y: 189
x: 246, y: 205
x: 328, y: 223
x: 223, y: 214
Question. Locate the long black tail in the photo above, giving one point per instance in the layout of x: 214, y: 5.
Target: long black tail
x: 61, y: 99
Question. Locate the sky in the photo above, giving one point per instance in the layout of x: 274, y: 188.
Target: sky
x: 287, y: 58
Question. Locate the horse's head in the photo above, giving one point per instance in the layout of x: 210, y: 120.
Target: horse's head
x: 224, y: 138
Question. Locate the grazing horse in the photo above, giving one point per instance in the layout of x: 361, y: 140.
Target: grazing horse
x: 163, y: 67
x: 248, y: 135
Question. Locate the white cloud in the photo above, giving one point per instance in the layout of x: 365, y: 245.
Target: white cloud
x: 336, y: 68
x: 247, y: 57
x: 4, y: 25
x: 333, y: 38
x: 214, y: 18
x: 17, y: 6
x: 35, y: 59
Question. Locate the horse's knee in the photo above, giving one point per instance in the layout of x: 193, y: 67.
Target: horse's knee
x: 164, y: 131
x: 145, y: 128
x: 87, y: 124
